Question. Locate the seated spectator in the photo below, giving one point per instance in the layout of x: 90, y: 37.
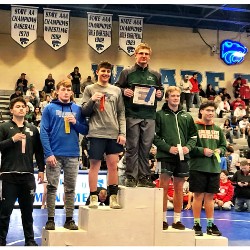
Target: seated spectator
x: 244, y: 126
x: 248, y: 113
x: 239, y: 112
x: 225, y: 94
x: 29, y: 117
x: 233, y: 159
x: 237, y: 102
x: 210, y: 92
x: 223, y: 107
x: 18, y: 93
x: 223, y: 162
x: 245, y: 93
x: 103, y: 197
x: 28, y: 103
x: 202, y: 94
x: 38, y: 116
x: 235, y: 126
x: 45, y: 102
x: 86, y: 83
x: 22, y: 83
x: 241, y: 180
x: 228, y: 130
x: 223, y: 199
x: 34, y: 95
x: 218, y: 99
x: 239, y: 81
x: 186, y: 194
x: 49, y: 84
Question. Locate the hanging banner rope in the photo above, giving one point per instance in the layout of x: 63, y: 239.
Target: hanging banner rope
x: 99, y: 31
x: 130, y: 33
x: 24, y: 24
x: 56, y: 27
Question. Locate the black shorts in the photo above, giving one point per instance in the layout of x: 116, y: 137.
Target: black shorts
x: 203, y: 182
x: 177, y: 169
x: 99, y: 146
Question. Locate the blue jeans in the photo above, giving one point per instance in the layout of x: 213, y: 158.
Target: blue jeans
x: 239, y: 204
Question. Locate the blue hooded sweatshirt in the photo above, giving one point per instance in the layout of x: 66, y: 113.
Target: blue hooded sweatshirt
x: 52, y: 131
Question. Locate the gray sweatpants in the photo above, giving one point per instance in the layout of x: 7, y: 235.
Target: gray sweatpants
x: 139, y: 139
x: 70, y: 167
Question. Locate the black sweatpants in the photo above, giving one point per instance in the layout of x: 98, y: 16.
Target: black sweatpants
x: 25, y: 193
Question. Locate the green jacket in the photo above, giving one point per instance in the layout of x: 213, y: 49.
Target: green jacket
x: 138, y: 76
x: 212, y: 137
x: 173, y: 128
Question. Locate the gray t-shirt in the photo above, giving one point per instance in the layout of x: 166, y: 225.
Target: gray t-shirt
x: 108, y: 123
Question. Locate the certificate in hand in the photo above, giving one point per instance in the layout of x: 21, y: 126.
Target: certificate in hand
x: 144, y: 95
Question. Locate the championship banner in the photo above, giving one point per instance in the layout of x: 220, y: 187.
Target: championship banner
x: 56, y: 27
x: 24, y: 24
x: 99, y: 31
x: 130, y: 33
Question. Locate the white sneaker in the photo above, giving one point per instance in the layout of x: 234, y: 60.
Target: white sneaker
x: 93, y: 201
x: 42, y: 207
x: 113, y: 203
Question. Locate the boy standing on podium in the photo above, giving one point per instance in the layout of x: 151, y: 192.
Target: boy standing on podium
x: 103, y: 104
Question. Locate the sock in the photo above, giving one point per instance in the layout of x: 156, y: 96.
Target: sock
x: 68, y: 219
x: 210, y: 221
x: 51, y: 218
x: 113, y: 189
x: 197, y: 221
x: 177, y: 217
x: 165, y: 216
x: 94, y: 193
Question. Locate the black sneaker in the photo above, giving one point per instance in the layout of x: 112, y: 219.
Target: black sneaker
x: 145, y: 182
x: 2, y: 242
x: 50, y: 225
x: 31, y: 243
x: 130, y: 182
x: 213, y: 230
x: 198, y: 230
x: 165, y: 225
x: 71, y: 225
x: 178, y: 225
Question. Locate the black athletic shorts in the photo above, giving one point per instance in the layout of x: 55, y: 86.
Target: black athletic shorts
x: 177, y: 169
x: 203, y: 182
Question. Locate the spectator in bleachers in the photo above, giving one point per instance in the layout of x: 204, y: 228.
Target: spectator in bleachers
x: 241, y: 180
x: 202, y: 94
x: 38, y: 116
x: 28, y: 103
x: 239, y: 81
x: 235, y: 103
x: 244, y: 126
x: 223, y: 107
x: 45, y: 102
x: 218, y: 99
x: 75, y: 78
x: 228, y: 130
x: 225, y: 94
x: 22, y: 82
x: 239, y: 112
x: 223, y: 199
x: 233, y: 160
x: 195, y: 90
x: 49, y: 84
x: 33, y: 93
x: 86, y: 83
x: 185, y: 86
x: 235, y: 126
x: 18, y: 93
x: 210, y: 92
x: 29, y: 117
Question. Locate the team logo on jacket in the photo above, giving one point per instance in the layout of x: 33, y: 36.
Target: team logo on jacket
x: 150, y: 78
x: 27, y: 130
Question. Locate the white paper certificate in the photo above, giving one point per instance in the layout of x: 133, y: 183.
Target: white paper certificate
x: 144, y: 95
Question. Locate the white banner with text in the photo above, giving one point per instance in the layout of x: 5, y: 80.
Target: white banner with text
x: 24, y: 24
x: 130, y: 33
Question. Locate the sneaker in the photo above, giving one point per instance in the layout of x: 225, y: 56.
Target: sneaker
x: 178, y: 225
x: 213, y: 230
x: 165, y: 225
x: 43, y: 206
x: 31, y: 243
x: 93, y: 201
x: 71, y: 225
x: 113, y: 203
x: 50, y: 225
x: 198, y: 230
x: 2, y: 242
x: 130, y: 182
x: 145, y: 182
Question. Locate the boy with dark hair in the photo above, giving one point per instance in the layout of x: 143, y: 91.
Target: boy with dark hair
x: 19, y: 141
x: 103, y: 103
x: 61, y: 123
x: 205, y: 167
